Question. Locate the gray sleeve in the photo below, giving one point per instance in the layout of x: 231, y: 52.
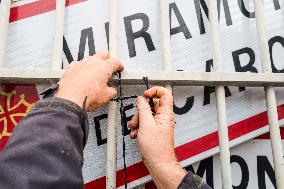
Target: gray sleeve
x: 192, y: 181
x: 45, y: 150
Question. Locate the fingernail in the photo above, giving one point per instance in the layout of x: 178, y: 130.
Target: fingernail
x: 138, y: 100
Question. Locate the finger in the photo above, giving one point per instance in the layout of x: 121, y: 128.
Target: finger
x: 144, y: 113
x: 116, y: 65
x: 166, y: 97
x: 70, y: 65
x: 111, y: 93
x: 103, y: 55
x: 93, y: 60
x: 133, y: 134
x: 69, y: 68
x: 134, y: 122
x: 156, y: 92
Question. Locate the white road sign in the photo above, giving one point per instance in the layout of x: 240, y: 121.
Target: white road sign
x: 86, y: 32
x: 252, y: 166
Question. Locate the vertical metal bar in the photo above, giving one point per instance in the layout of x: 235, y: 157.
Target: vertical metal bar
x: 58, y: 36
x: 166, y: 37
x: 221, y: 101
x: 111, y: 129
x: 111, y: 147
x: 270, y: 96
x: 165, y: 33
x: 4, y: 23
x: 113, y: 28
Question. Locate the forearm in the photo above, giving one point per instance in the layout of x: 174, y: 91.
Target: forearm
x: 167, y: 175
x: 46, y: 148
x: 173, y: 176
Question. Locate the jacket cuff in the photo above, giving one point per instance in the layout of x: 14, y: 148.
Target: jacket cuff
x: 193, y: 182
x: 69, y: 106
x: 59, y: 103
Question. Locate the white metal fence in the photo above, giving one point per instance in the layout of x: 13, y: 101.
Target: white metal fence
x: 167, y: 78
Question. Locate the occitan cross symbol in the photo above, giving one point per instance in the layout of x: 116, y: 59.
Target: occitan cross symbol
x: 10, y: 112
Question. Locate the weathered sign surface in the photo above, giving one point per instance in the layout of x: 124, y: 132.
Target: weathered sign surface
x: 252, y: 166
x: 86, y: 32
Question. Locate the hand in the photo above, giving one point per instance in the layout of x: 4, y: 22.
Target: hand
x: 89, y: 77
x: 155, y: 137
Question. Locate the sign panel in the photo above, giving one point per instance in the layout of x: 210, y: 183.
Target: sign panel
x: 252, y: 166
x: 86, y: 32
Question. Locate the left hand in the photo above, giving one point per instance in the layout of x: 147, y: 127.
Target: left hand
x: 155, y: 137
x: 89, y: 77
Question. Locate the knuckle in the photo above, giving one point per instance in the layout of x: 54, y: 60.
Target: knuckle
x: 143, y: 108
x: 93, y: 58
x: 167, y: 92
x: 112, y: 92
x: 169, y: 96
x: 112, y: 61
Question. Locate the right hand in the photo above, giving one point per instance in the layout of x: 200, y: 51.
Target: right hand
x: 89, y: 77
x: 155, y: 137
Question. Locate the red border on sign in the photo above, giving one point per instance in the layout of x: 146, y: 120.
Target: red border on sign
x: 151, y: 185
x: 267, y: 135
x: 138, y: 170
x: 36, y: 8
x: 236, y: 130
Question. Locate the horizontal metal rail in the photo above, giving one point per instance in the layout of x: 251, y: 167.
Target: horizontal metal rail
x: 155, y: 77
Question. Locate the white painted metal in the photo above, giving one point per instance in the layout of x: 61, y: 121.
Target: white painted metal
x: 4, y: 23
x: 166, y: 38
x: 58, y: 36
x: 113, y: 28
x: 165, y: 34
x: 221, y: 100
x: 155, y: 77
x: 111, y: 147
x: 111, y: 129
x: 270, y: 97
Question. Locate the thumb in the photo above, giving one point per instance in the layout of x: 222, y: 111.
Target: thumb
x: 145, y: 113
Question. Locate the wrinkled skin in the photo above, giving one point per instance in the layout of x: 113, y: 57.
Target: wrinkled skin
x: 154, y: 131
x: 155, y: 136
x: 89, y: 77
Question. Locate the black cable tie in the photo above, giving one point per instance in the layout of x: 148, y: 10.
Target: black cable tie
x: 83, y: 119
x: 123, y: 98
x: 146, y: 81
x: 151, y: 102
